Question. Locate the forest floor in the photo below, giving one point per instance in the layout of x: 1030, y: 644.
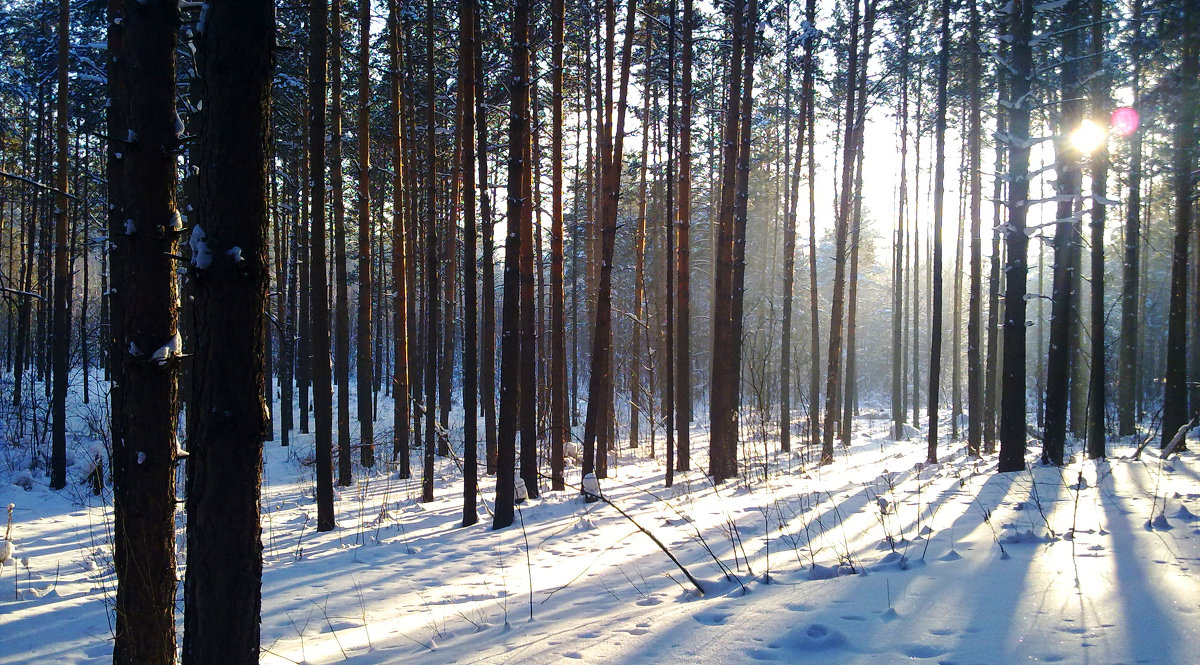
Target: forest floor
x: 876, y: 558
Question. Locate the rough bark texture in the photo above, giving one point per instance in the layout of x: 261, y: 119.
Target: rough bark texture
x: 467, y: 15
x: 364, y: 361
x: 400, y: 220
x: 1012, y: 398
x: 141, y: 180
x: 222, y: 593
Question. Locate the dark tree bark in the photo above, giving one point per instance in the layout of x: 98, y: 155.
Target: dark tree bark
x: 510, y: 341
x: 401, y: 396
x: 341, y: 337
x: 1127, y: 373
x: 683, y: 363
x: 599, y: 409
x: 142, y: 184
x: 63, y: 278
x: 487, y: 379
x: 223, y: 593
x: 468, y: 12
x: 1012, y: 398
x: 1066, y: 246
x: 559, y: 429
x: 841, y: 238
x: 365, y: 361
x: 1175, y: 391
x: 975, y: 373
x: 939, y: 176
x: 318, y: 293
x: 433, y: 306
x: 991, y: 388
x: 1098, y: 87
x: 722, y: 447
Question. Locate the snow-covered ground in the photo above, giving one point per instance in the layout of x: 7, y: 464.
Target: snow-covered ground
x: 876, y: 558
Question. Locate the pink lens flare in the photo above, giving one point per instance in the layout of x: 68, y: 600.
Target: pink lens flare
x: 1124, y: 120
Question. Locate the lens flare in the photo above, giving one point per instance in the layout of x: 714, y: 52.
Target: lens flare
x: 1088, y: 137
x: 1124, y: 121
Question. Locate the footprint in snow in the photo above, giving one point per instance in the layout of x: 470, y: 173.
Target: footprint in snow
x: 922, y: 651
x: 712, y: 617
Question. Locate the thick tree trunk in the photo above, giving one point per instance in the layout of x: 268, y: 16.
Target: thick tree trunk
x: 222, y: 590
x: 1175, y: 391
x: 722, y: 447
x: 141, y: 181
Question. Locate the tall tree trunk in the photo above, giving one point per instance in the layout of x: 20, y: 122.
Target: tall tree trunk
x: 683, y: 361
x: 722, y: 448
x: 529, y: 313
x: 223, y: 593
x: 487, y: 377
x: 991, y: 387
x: 939, y: 176
x: 510, y: 341
x: 814, y: 374
x: 1012, y: 398
x: 341, y: 336
x: 63, y: 279
x: 600, y: 380
x: 841, y: 238
x: 318, y: 292
x: 433, y: 306
x: 467, y: 15
x: 1127, y: 388
x: 1175, y: 391
x: 401, y: 393
x: 639, y: 251
x: 141, y: 186
x: 899, y: 368
x: 975, y: 373
x: 559, y: 427
x: 364, y: 360
x: 1098, y: 88
x: 1066, y: 246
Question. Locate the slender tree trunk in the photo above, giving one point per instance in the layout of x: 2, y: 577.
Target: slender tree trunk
x: 639, y: 250
x: 975, y: 374
x: 341, y: 336
x: 364, y: 360
x: 1013, y: 394
x: 992, y: 381
x: 559, y: 427
x: 318, y: 293
x: 63, y: 279
x: 142, y: 185
x: 600, y: 380
x: 468, y: 12
x: 487, y: 345
x: 683, y: 361
x: 433, y: 306
x: 939, y: 176
x: 1100, y: 103
x: 899, y: 373
x: 1066, y: 246
x: 401, y: 398
x: 841, y: 238
x: 1127, y: 388
x: 510, y: 341
x: 528, y: 365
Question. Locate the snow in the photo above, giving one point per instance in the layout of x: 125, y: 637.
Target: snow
x: 201, y: 256
x: 876, y: 558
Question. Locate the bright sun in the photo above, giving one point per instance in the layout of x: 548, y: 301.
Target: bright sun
x: 1088, y: 137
